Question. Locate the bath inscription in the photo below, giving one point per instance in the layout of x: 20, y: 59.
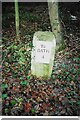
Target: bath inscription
x: 43, y: 51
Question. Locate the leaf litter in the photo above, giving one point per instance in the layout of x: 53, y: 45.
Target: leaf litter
x: 24, y: 94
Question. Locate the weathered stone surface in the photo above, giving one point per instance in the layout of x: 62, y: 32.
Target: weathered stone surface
x: 43, y: 52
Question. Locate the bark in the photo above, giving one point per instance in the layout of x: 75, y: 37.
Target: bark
x: 17, y: 19
x: 55, y: 23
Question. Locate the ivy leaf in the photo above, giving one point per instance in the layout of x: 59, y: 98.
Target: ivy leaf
x: 23, y: 83
x: 4, y: 96
x: 4, y: 86
x: 28, y: 77
x: 78, y: 103
x: 13, y: 102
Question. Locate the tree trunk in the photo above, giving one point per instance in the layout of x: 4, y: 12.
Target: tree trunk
x: 55, y: 23
x: 17, y: 19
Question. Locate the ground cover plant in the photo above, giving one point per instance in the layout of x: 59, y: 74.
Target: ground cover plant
x: 24, y: 94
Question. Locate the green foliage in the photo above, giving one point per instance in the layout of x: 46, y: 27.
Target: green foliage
x: 78, y: 103
x: 13, y: 102
x: 16, y: 58
x: 60, y: 47
x: 29, y: 16
x: 4, y: 96
x: 33, y: 110
x: 24, y: 83
x: 28, y: 77
x: 4, y: 86
x: 76, y: 59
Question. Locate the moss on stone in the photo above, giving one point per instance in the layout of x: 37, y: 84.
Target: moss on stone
x: 43, y: 70
x: 44, y: 36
